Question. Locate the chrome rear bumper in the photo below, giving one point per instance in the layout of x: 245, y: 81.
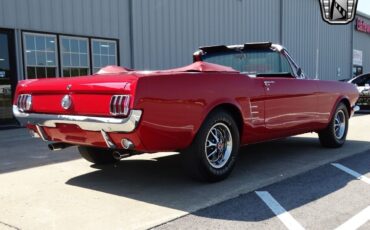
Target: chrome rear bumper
x: 98, y: 124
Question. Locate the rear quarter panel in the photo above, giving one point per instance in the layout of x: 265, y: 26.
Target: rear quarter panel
x: 175, y: 106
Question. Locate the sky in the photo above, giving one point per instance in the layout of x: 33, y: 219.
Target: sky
x: 364, y: 6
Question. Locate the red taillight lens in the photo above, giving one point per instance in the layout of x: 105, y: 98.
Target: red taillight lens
x: 120, y: 105
x: 24, y: 102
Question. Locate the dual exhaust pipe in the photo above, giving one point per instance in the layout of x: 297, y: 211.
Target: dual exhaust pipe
x: 118, y: 155
x: 59, y: 146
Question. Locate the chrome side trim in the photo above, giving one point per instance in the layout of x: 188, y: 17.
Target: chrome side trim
x: 87, y: 123
x: 108, y: 141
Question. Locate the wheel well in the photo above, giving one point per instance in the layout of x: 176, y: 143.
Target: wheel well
x: 234, y: 112
x: 345, y: 101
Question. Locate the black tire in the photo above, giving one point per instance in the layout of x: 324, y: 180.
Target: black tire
x: 195, y: 160
x: 97, y: 156
x: 331, y: 137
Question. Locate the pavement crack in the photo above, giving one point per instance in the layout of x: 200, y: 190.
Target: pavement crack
x: 9, y: 226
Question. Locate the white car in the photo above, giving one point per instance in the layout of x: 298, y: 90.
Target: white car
x: 5, y: 90
x: 363, y: 85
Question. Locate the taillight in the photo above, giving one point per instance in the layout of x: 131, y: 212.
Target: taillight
x: 120, y: 105
x: 24, y: 102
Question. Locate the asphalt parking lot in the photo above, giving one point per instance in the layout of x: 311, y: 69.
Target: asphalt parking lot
x: 291, y: 183
x: 323, y: 198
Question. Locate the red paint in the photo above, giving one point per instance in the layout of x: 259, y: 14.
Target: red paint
x: 362, y: 26
x: 175, y: 103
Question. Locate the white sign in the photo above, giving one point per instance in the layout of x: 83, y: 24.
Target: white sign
x: 357, y: 57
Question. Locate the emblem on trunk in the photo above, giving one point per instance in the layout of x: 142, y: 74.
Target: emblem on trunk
x: 338, y: 11
x: 66, y: 102
x: 69, y: 87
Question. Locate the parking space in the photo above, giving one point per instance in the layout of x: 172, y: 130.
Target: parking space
x: 324, y: 198
x: 41, y: 189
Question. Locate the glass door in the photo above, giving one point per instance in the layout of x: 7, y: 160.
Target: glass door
x: 8, y: 76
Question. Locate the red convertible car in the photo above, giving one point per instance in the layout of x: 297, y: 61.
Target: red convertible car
x: 230, y: 96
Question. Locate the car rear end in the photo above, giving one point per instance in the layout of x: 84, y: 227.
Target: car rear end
x: 91, y: 111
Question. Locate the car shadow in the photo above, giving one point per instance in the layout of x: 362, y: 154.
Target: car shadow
x: 160, y: 181
x: 18, y: 151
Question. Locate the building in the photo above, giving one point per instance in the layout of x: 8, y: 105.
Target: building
x: 361, y: 44
x: 64, y: 38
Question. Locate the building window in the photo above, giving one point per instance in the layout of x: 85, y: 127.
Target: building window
x: 104, y: 53
x: 40, y: 55
x: 74, y: 56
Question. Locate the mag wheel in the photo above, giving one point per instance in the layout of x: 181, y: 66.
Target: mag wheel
x: 97, y: 156
x: 211, y: 157
x: 218, y: 145
x: 335, y: 134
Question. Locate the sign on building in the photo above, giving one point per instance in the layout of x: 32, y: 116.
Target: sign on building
x: 362, y: 26
x: 338, y: 11
x: 357, y: 57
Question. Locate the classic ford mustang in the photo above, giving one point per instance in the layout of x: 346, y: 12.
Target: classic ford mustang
x: 230, y: 96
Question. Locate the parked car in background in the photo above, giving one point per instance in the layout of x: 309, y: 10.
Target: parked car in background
x: 230, y: 96
x: 363, y: 86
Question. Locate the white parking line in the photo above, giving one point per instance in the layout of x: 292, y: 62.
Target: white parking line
x: 279, y: 211
x: 351, y: 172
x: 356, y: 221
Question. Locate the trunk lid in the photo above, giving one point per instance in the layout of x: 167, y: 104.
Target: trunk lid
x: 97, y: 84
x: 90, y: 96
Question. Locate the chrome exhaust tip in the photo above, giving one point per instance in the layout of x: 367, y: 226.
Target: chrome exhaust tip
x: 127, y: 144
x: 120, y: 155
x: 59, y: 146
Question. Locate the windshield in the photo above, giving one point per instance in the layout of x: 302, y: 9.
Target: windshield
x: 254, y: 62
x: 362, y: 80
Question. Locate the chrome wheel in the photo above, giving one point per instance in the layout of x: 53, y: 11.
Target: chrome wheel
x: 219, y: 145
x: 340, y: 124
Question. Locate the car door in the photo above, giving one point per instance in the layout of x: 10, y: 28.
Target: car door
x: 290, y: 105
x: 290, y: 102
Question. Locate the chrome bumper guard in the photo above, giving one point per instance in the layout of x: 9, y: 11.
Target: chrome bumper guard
x: 97, y: 124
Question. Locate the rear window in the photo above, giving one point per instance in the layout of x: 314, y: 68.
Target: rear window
x: 254, y: 62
